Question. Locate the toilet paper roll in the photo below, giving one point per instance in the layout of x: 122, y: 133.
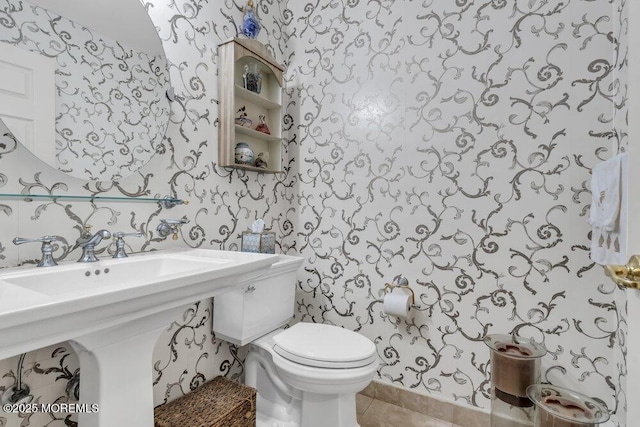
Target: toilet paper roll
x: 397, y: 304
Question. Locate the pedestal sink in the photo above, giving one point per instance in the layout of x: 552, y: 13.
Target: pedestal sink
x: 112, y: 311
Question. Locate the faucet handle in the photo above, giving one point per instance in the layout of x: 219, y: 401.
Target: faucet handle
x: 47, y: 249
x: 120, y: 234
x: 119, y: 238
x: 43, y: 239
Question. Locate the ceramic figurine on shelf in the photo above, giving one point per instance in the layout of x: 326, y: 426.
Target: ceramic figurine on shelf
x: 261, y: 162
x: 262, y: 126
x: 242, y: 118
x: 250, y: 22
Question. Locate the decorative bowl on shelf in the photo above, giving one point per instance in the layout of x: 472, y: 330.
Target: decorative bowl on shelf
x: 242, y: 119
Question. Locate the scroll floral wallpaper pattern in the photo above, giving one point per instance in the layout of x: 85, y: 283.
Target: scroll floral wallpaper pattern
x: 111, y: 108
x: 450, y: 142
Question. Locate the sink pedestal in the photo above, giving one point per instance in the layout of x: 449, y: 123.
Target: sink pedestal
x: 116, y: 370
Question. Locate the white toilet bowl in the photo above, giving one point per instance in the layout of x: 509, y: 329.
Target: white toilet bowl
x: 308, y: 375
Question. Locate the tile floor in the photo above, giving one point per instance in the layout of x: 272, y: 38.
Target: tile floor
x: 376, y: 413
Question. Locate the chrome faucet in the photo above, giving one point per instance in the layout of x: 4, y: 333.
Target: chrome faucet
x: 47, y: 249
x: 88, y: 245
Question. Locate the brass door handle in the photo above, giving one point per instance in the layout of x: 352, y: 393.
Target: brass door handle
x: 625, y: 276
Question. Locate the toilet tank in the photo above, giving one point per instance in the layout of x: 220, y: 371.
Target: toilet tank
x: 259, y: 306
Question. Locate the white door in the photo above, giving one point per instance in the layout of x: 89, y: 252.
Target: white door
x: 27, y: 99
x: 633, y: 222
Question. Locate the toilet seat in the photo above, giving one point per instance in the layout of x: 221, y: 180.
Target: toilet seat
x: 324, y: 346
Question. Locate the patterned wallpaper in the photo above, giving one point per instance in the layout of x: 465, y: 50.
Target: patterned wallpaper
x: 111, y: 108
x: 450, y: 142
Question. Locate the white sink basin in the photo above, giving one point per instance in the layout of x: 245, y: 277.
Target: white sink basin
x: 111, y: 275
x: 14, y: 298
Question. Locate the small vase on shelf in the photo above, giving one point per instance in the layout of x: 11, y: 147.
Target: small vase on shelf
x: 262, y: 126
x: 250, y: 22
x: 243, y: 154
x: 252, y: 77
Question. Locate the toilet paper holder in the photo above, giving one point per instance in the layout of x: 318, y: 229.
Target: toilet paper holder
x: 401, y: 282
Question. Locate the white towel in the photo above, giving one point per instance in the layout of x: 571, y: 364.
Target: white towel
x: 605, y: 194
x: 609, y: 211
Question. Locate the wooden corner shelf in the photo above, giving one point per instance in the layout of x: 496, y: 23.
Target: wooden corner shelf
x: 235, y: 56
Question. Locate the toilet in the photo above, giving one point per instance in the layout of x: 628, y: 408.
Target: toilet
x: 306, y: 375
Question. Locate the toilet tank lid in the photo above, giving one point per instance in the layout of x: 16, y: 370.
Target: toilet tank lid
x: 326, y: 343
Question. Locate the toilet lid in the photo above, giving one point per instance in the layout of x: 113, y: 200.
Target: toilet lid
x: 324, y: 346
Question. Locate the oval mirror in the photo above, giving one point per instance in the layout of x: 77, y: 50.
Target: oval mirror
x: 83, y: 84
